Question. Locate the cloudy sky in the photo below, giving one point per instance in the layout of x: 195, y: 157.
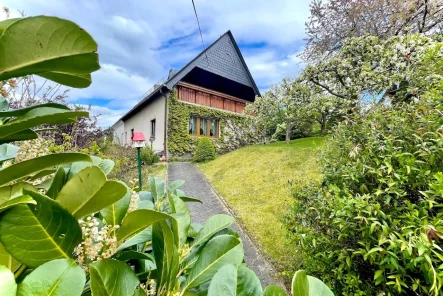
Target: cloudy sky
x: 140, y: 40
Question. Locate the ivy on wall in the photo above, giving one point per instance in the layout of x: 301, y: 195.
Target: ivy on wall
x: 235, y: 130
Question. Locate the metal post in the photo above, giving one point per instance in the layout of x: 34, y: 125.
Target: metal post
x: 139, y: 168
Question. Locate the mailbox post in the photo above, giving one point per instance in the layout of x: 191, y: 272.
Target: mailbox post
x: 139, y: 141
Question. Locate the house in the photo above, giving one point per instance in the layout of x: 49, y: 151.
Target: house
x: 206, y: 98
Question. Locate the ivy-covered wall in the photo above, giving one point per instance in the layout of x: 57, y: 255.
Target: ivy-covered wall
x: 235, y: 130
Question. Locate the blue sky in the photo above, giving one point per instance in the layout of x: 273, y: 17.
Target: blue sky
x: 139, y: 41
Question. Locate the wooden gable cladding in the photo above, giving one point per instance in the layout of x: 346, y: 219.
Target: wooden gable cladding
x: 202, y: 96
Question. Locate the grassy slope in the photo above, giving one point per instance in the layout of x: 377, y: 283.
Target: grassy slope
x: 254, y: 181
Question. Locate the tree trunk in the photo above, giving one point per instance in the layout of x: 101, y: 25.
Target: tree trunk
x: 288, y: 132
x: 323, y: 125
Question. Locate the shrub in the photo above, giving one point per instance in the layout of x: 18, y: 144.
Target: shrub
x: 205, y: 151
x: 375, y: 226
x: 148, y: 155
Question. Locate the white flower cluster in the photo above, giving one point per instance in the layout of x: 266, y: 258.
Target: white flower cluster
x: 133, y: 204
x: 98, y: 242
x: 33, y: 148
x: 150, y: 289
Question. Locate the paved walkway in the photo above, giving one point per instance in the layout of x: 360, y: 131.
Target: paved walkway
x: 196, y: 186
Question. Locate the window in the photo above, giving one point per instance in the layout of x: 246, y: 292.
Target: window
x: 153, y: 128
x: 205, y: 127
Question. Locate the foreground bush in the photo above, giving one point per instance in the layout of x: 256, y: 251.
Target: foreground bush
x: 375, y: 228
x: 205, y: 150
x: 148, y: 156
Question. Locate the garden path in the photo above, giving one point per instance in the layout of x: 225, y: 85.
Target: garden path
x: 196, y: 186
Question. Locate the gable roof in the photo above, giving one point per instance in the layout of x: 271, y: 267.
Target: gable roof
x: 223, y: 57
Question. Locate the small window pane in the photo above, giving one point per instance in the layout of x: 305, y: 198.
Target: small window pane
x: 213, y: 131
x: 193, y: 125
x: 203, y: 127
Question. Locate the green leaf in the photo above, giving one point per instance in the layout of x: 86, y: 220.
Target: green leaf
x: 248, y: 283
x: 175, y: 184
x: 31, y: 166
x: 57, y: 183
x: 56, y: 278
x: 23, y: 135
x: 165, y: 254
x: 141, y: 237
x: 42, y: 174
x: 115, y: 213
x: 134, y: 255
x: 36, y: 234
x: 144, y: 195
x: 213, y: 225
x: 112, y: 277
x: 89, y: 192
x: 139, y: 220
x: 23, y: 111
x: 106, y: 165
x: 24, y: 199
x: 318, y: 288
x: 220, y: 250
x: 7, y: 260
x: 10, y: 191
x: 7, y: 152
x: 273, y: 291
x: 190, y: 199
x: 4, y: 105
x: 35, y: 117
x: 157, y: 186
x: 300, y: 284
x: 53, y: 48
x: 8, y: 287
x: 184, y: 221
x: 224, y: 282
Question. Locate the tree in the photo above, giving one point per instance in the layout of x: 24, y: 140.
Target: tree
x: 331, y: 22
x: 401, y: 67
x: 284, y: 105
x: 324, y: 108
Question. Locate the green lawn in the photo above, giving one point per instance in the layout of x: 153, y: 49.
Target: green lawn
x: 254, y: 181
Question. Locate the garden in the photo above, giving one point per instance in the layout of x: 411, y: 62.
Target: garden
x: 344, y: 198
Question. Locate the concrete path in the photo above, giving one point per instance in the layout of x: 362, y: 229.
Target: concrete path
x: 197, y: 186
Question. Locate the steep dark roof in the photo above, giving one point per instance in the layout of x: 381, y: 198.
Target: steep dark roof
x: 223, y: 57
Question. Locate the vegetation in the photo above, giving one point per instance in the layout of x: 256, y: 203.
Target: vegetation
x: 148, y: 156
x: 205, y: 151
x: 236, y: 130
x: 376, y: 226
x: 66, y: 228
x: 254, y: 182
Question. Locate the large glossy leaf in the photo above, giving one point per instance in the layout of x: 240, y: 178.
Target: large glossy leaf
x: 57, y: 183
x: 4, y: 105
x: 139, y: 220
x: 36, y: 234
x: 157, y: 186
x: 42, y: 174
x: 141, y: 237
x: 74, y: 168
x: 224, y: 282
x: 35, y: 117
x: 31, y: 166
x: 274, y: 291
x: 10, y: 191
x: 7, y: 260
x: 8, y: 287
x: 55, y: 278
x: 8, y: 151
x: 106, y: 165
x: 220, y: 250
x: 318, y: 288
x: 213, y: 225
x: 23, y: 111
x: 53, y: 48
x: 175, y: 184
x: 115, y: 213
x: 89, y: 192
x: 184, y: 220
x: 165, y: 254
x: 23, y: 135
x: 123, y: 256
x: 112, y: 278
x: 24, y: 199
x: 300, y: 284
x: 248, y: 283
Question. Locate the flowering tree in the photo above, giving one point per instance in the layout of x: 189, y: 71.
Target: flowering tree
x: 324, y: 108
x: 369, y: 65
x: 331, y: 22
